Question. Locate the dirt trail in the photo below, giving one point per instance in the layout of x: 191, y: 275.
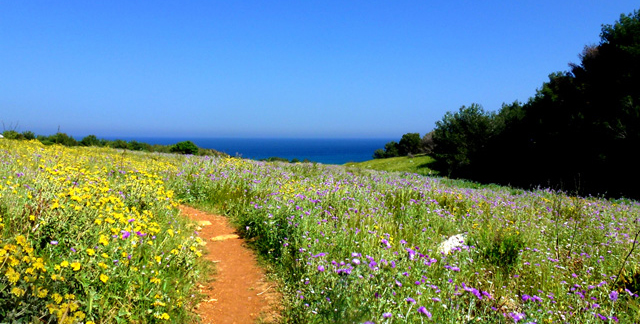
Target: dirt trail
x: 239, y: 292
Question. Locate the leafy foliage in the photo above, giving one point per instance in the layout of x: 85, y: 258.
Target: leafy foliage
x: 410, y: 143
x: 580, y: 132
x: 461, y: 137
x: 186, y: 147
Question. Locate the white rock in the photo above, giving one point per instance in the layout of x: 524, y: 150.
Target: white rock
x: 451, y: 243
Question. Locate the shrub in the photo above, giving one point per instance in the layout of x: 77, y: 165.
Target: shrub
x: 186, y: 147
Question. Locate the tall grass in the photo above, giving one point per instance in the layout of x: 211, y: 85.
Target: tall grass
x: 92, y: 236
x: 354, y: 246
x: 350, y: 245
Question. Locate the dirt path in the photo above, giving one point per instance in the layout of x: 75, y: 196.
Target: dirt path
x: 239, y: 292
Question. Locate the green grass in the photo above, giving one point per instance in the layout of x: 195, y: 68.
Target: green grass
x: 418, y: 164
x: 348, y: 245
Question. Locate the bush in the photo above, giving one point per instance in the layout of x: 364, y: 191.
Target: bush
x: 186, y: 147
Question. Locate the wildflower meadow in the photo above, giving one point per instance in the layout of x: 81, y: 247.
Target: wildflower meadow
x: 359, y: 246
x: 95, y: 235
x: 91, y: 236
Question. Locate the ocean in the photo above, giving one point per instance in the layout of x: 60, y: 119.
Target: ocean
x: 327, y: 151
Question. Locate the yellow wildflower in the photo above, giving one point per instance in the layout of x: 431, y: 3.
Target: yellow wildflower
x: 57, y: 298
x: 12, y: 275
x: 104, y: 240
x: 104, y: 278
x: 17, y: 291
x: 42, y: 293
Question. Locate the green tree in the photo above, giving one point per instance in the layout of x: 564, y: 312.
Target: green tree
x: 186, y: 147
x: 63, y: 139
x: 409, y: 144
x: 119, y: 144
x: 90, y: 140
x: 391, y: 149
x: 379, y: 154
x: 12, y: 134
x: 460, y: 137
x: 28, y: 135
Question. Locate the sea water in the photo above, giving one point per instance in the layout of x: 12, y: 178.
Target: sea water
x: 327, y: 151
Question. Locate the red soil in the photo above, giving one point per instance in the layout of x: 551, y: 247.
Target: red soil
x: 239, y: 292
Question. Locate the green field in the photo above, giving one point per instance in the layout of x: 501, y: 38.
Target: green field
x: 94, y: 235
x: 418, y: 164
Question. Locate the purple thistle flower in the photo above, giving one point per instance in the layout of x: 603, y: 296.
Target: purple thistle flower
x: 386, y: 315
x: 423, y: 310
x: 321, y: 268
x: 125, y: 234
x: 410, y: 300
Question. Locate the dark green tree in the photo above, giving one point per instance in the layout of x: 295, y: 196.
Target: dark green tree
x: 63, y: 139
x: 28, y: 135
x: 119, y: 144
x: 460, y: 138
x: 391, y: 149
x: 379, y: 154
x: 409, y: 144
x: 90, y: 140
x: 186, y: 147
x: 11, y: 134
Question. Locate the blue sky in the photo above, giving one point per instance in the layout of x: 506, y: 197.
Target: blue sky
x: 309, y: 69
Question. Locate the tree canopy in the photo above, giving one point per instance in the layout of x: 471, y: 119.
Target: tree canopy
x: 580, y: 132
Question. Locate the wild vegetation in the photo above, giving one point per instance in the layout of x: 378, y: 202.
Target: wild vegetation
x: 184, y: 147
x: 354, y: 245
x: 93, y: 234
x: 579, y: 132
x: 418, y: 164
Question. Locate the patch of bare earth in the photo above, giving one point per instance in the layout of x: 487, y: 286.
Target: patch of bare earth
x: 239, y: 292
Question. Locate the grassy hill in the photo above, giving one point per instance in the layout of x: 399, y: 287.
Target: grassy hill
x: 100, y: 229
x: 418, y: 164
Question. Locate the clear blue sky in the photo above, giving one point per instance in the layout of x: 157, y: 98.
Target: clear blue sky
x: 279, y: 68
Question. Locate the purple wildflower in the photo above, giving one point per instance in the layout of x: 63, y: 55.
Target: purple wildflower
x: 613, y: 296
x: 321, y: 268
x: 423, y: 310
x: 517, y: 316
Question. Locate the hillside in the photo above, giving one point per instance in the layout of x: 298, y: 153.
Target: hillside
x: 418, y: 164
x: 96, y: 226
